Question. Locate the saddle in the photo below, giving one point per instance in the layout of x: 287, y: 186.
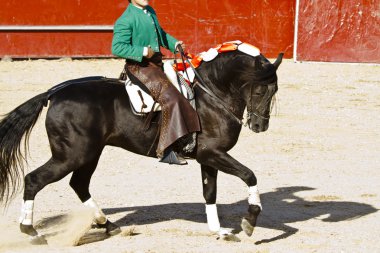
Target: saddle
x: 142, y: 103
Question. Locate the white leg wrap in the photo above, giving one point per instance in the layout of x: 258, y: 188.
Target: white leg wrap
x: 254, y: 196
x: 100, y: 217
x: 26, y: 217
x: 212, y: 218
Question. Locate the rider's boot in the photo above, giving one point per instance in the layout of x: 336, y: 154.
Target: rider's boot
x: 172, y: 157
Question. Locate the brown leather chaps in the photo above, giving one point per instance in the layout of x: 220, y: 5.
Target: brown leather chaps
x: 178, y: 116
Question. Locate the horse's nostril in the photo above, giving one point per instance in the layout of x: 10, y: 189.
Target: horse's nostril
x: 257, y: 126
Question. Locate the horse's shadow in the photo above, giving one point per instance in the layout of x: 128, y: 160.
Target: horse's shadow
x: 281, y: 207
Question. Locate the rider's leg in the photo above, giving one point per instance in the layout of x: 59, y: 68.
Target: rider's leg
x: 178, y: 116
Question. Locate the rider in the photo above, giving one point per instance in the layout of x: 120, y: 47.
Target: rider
x: 138, y: 37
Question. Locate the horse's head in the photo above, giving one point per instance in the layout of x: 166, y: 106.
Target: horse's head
x: 259, y: 85
x: 243, y: 81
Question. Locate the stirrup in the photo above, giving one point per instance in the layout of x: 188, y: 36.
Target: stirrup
x: 173, y: 158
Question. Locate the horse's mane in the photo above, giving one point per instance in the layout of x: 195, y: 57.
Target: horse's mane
x: 256, y: 70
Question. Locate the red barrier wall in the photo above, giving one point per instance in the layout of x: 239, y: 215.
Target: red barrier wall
x: 201, y: 24
x: 265, y: 24
x: 66, y: 12
x: 337, y: 30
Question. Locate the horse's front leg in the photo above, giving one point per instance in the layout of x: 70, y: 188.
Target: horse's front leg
x: 213, y: 159
x: 209, y: 183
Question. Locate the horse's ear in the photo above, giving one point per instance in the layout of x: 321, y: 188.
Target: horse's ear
x: 278, y: 60
x: 258, y: 65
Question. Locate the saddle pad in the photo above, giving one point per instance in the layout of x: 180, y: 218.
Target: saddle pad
x: 141, y: 102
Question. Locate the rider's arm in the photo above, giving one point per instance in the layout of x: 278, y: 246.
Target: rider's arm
x: 121, y: 42
x: 167, y: 41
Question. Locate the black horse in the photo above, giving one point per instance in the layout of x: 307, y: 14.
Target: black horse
x: 87, y: 114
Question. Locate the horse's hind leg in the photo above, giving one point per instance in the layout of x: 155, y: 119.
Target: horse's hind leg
x: 64, y: 161
x: 80, y: 182
x: 50, y: 172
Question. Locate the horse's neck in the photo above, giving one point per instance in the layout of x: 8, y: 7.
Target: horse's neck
x: 224, y: 90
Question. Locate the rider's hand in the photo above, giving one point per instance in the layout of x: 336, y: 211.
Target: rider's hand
x: 150, y: 53
x: 182, y: 44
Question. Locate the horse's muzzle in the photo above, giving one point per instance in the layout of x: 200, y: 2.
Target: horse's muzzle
x: 259, y: 127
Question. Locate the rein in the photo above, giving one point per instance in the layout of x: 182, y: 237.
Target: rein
x: 201, y: 84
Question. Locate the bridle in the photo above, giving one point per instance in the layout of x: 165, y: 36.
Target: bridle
x: 264, y: 101
x: 201, y: 84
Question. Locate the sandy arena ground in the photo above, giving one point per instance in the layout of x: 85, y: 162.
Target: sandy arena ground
x: 318, y: 168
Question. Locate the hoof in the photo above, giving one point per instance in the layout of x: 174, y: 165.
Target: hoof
x: 111, y: 228
x: 38, y: 240
x: 248, y: 223
x: 28, y: 229
x: 247, y: 228
x: 228, y: 236
x: 35, y: 238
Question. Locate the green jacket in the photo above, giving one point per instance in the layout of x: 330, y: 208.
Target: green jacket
x: 136, y: 29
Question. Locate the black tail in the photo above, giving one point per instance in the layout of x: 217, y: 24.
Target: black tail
x: 13, y: 127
